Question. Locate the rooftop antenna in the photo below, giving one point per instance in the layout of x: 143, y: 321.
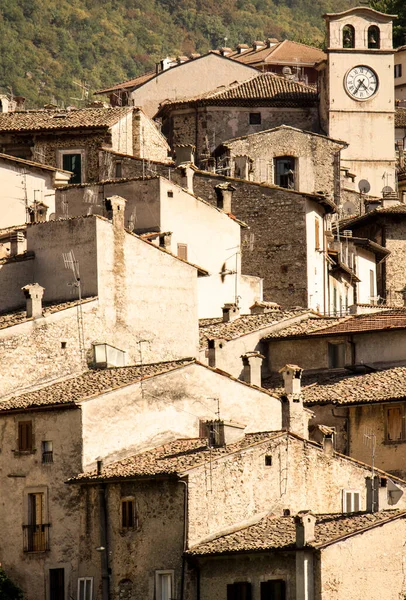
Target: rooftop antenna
x: 237, y: 254
x: 370, y: 442
x: 85, y: 90
x: 72, y: 265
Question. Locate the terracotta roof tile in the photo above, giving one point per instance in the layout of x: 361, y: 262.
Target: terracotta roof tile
x: 130, y: 83
x: 90, y: 383
x: 20, y: 316
x: 305, y: 327
x: 286, y: 52
x: 277, y: 533
x: 173, y: 458
x: 44, y: 120
x: 343, y: 387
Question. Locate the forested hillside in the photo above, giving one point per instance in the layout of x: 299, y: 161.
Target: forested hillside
x: 45, y: 45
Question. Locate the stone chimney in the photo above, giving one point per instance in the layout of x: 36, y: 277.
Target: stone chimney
x: 258, y: 45
x: 294, y: 418
x: 252, y: 362
x: 231, y: 312
x: 215, y: 352
x: 328, y: 444
x: 187, y: 176
x: 224, y: 193
x: 262, y: 308
x: 18, y: 243
x: 184, y: 153
x: 305, y: 523
x: 34, y: 293
x: 241, y: 48
x: 403, y: 292
x: 115, y: 205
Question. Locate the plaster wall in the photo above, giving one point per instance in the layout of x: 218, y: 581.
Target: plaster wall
x: 20, y: 186
x: 149, y: 143
x: 366, y: 294
x: 13, y: 276
x: 400, y: 82
x: 317, y: 280
x: 168, y: 407
x: 122, y: 137
x: 24, y: 473
x: 189, y: 79
x: 233, y: 489
x: 377, y: 572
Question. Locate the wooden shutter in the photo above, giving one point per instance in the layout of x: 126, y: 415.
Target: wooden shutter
x: 25, y: 436
x: 240, y: 590
x: 182, y: 251
x: 317, y: 233
x: 274, y: 589
x: 394, y: 423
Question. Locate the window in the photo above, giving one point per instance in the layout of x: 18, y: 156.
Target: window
x: 56, y: 584
x: 47, y: 453
x: 119, y: 169
x: 284, y: 172
x: 351, y: 501
x: 164, y: 585
x: 348, y: 37
x: 170, y: 193
x: 85, y: 588
x: 317, y: 233
x: 239, y: 591
x: 25, y: 438
x: 36, y: 532
x: 336, y: 355
x: 394, y: 424
x: 182, y: 251
x: 398, y: 70
x: 274, y: 589
x: 268, y: 460
x: 128, y: 520
x: 73, y: 163
x: 255, y: 118
x: 374, y: 37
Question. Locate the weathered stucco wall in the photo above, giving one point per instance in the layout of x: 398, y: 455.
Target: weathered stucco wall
x: 149, y: 143
x: 14, y: 274
x: 24, y: 473
x: 169, y: 407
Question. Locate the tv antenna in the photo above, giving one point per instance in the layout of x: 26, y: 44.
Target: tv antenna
x: 370, y: 442
x: 72, y: 265
x: 85, y: 90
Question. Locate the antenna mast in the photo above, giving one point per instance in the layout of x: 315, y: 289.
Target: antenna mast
x: 370, y: 442
x: 73, y: 265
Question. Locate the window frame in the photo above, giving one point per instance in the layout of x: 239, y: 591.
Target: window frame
x: 401, y: 408
x: 29, y: 449
x: 158, y: 583
x: 49, y: 453
x: 61, y: 152
x: 352, y: 493
x: 85, y: 579
x: 125, y: 501
x: 277, y: 175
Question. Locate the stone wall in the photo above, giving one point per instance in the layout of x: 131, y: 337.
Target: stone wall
x: 149, y: 143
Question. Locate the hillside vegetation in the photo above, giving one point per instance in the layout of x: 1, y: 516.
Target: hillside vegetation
x: 45, y: 45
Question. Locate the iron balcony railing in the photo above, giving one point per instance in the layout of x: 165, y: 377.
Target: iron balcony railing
x: 36, y: 538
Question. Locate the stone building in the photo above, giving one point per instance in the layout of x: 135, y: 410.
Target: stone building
x: 286, y: 157
x: 70, y: 139
x: 262, y: 102
x: 176, y: 219
x: 28, y: 190
x: 182, y: 78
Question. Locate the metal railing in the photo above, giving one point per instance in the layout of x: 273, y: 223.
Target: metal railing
x: 36, y: 538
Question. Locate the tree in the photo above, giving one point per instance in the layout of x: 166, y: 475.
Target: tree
x: 8, y: 590
x: 394, y: 7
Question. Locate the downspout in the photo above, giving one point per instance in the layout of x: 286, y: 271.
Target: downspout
x: 197, y: 158
x: 104, y: 550
x: 325, y: 266
x: 185, y: 537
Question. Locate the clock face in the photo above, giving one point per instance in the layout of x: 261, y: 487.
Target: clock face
x: 361, y: 83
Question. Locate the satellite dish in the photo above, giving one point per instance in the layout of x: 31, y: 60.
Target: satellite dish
x: 364, y: 186
x: 287, y: 71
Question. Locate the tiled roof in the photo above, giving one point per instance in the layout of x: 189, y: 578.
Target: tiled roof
x: 287, y: 128
x: 266, y: 89
x: 379, y: 321
x: 30, y: 163
x: 215, y: 328
x: 20, y: 316
x: 343, y: 387
x: 45, y: 120
x: 173, y: 458
x: 305, y: 327
x: 286, y: 52
x: 129, y: 84
x: 88, y: 384
x: 400, y: 117
x: 398, y: 209
x: 279, y: 533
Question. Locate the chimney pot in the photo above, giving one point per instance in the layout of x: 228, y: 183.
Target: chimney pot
x: 99, y: 467
x: 116, y: 205
x: 305, y: 523
x: 17, y: 243
x: 224, y: 193
x: 33, y: 293
x: 252, y: 362
x: 261, y: 308
x: 328, y: 445
x: 184, y: 153
x: 231, y: 312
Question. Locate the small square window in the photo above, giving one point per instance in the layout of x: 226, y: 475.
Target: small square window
x: 268, y: 460
x: 351, y: 501
x: 170, y: 194
x: 255, y: 118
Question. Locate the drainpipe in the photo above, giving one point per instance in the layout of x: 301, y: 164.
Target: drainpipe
x: 325, y: 263
x: 104, y: 550
x: 185, y: 538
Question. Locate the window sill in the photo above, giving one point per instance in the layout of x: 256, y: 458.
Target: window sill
x: 23, y: 452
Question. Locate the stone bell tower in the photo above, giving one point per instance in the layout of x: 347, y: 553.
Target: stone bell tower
x: 357, y: 99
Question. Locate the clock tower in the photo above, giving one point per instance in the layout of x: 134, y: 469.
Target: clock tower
x: 357, y: 98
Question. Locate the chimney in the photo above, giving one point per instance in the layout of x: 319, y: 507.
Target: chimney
x: 271, y: 42
x: 226, y: 51
x: 224, y: 193
x: 33, y: 293
x: 403, y: 292
x: 184, y: 153
x: 187, y: 176
x: 231, y: 312
x: 115, y: 205
x: 305, y: 523
x: 99, y: 467
x: 262, y: 308
x: 258, y: 45
x: 214, y: 353
x: 18, y: 243
x: 294, y: 418
x: 328, y: 445
x: 241, y: 48
x: 252, y: 362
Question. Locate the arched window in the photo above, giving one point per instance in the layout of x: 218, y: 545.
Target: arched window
x: 348, y: 37
x: 374, y: 37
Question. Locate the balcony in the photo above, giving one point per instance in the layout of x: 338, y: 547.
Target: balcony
x: 36, y: 538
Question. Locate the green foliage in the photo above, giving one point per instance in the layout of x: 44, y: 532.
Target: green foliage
x: 45, y: 45
x: 8, y: 590
x: 394, y: 7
